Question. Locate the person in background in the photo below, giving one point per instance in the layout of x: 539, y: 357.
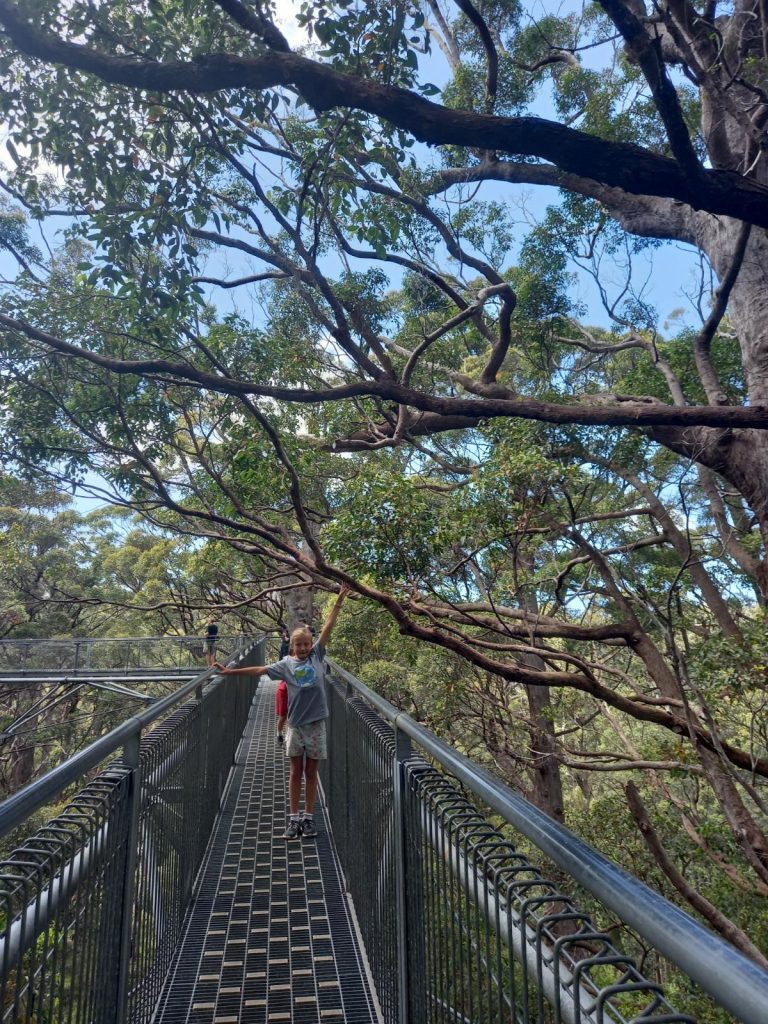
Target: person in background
x: 285, y: 644
x: 305, y: 740
x: 209, y: 647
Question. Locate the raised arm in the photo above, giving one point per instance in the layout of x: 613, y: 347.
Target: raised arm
x: 330, y: 622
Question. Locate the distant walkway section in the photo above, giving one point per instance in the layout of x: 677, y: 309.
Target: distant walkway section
x: 270, y: 936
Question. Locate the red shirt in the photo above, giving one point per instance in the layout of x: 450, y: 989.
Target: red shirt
x: 281, y: 699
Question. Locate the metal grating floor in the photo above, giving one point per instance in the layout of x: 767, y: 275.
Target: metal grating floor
x: 269, y: 936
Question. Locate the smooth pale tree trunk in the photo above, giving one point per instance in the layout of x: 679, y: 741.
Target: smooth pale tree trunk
x: 298, y: 605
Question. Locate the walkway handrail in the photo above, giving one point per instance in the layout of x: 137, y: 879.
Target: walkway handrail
x: 191, y: 638
x: 735, y: 982
x: 18, y: 807
x: 93, y: 902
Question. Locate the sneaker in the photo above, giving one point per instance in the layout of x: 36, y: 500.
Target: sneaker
x: 308, y: 828
x: 293, y: 830
x: 280, y: 739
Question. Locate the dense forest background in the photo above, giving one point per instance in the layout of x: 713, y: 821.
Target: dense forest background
x: 311, y: 308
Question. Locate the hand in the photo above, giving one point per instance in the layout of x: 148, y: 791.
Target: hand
x: 344, y: 591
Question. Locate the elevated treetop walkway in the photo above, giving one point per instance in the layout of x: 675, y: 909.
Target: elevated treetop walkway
x: 132, y: 655
x: 163, y: 891
x: 132, y: 669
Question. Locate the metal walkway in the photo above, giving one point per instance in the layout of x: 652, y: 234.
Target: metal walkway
x: 270, y: 936
x: 162, y: 891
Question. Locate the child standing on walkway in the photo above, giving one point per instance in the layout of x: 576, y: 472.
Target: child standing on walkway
x: 305, y: 742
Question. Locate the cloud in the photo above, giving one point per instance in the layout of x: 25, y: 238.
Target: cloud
x: 286, y: 22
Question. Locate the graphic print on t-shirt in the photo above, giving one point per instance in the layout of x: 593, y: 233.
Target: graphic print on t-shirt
x: 304, y: 674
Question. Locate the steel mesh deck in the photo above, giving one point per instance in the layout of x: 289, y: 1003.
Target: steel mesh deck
x: 269, y: 936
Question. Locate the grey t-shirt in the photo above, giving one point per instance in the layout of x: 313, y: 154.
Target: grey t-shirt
x: 305, y: 681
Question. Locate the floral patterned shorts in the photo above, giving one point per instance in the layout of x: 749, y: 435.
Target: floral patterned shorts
x: 309, y: 739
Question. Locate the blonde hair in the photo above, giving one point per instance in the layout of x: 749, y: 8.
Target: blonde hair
x: 301, y: 631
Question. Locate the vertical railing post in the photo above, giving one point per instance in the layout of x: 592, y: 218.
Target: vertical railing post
x: 349, y: 768
x: 403, y: 751
x: 77, y: 656
x: 132, y: 762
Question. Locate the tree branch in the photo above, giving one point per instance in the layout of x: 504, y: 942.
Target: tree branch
x: 472, y: 14
x: 619, y: 164
x: 253, y: 20
x: 716, y: 918
x: 441, y: 412
x: 647, y: 51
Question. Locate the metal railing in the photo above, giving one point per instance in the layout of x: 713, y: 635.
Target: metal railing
x: 92, y: 904
x: 124, y: 654
x: 460, y: 926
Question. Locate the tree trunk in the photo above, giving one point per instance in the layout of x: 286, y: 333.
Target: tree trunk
x: 748, y: 833
x: 547, y: 788
x: 22, y: 759
x: 298, y: 606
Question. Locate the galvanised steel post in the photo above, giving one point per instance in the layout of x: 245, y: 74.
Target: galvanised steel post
x: 349, y: 693
x: 403, y: 751
x: 131, y: 760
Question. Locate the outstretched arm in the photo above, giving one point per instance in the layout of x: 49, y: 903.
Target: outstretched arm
x: 249, y: 670
x: 330, y: 622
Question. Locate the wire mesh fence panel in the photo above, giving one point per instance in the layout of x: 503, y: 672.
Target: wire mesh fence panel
x: 498, y: 941
x: 124, y: 654
x: 60, y: 900
x: 32, y: 655
x: 487, y: 938
x: 92, y: 904
x: 357, y: 780
x: 184, y: 769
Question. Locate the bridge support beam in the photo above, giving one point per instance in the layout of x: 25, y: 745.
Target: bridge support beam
x: 131, y: 761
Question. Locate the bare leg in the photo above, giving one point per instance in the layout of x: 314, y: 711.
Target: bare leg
x: 294, y: 782
x: 310, y: 788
